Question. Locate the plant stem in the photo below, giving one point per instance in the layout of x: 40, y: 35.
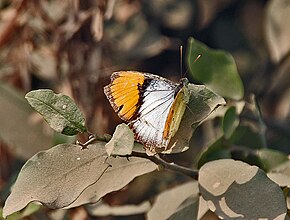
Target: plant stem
x: 157, y: 160
x: 170, y: 166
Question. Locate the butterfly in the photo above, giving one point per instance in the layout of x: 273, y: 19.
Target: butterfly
x: 152, y: 105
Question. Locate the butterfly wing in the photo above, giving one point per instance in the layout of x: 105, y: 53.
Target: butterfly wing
x: 144, y: 100
x: 157, y: 100
x: 123, y: 93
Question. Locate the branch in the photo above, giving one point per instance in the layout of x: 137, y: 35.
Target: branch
x: 170, y: 166
x: 92, y: 139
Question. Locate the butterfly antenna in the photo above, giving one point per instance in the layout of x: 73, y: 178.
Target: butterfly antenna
x: 199, y: 55
x: 181, y: 59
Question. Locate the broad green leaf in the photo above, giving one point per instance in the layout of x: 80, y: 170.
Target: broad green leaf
x: 59, y: 110
x: 121, y: 172
x: 56, y: 177
x: 230, y: 122
x: 202, y: 103
x: 59, y: 138
x: 271, y: 158
x: 14, y: 216
x: 17, y: 125
x: 236, y: 190
x: 122, y: 142
x: 221, y: 111
x: 218, y: 150
x: 187, y: 209
x: 30, y: 209
x: 266, y: 159
x: 246, y: 136
x: 177, y: 203
x: 59, y: 176
x: 216, y: 69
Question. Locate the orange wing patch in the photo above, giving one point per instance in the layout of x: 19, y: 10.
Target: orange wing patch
x: 123, y: 92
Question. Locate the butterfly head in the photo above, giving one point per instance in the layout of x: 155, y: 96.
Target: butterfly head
x: 184, y: 81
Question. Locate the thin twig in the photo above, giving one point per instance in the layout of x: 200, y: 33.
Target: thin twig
x: 170, y: 166
x: 92, y: 138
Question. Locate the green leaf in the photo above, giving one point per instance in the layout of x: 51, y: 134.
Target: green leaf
x: 271, y: 158
x: 188, y: 209
x: 56, y: 177
x: 266, y: 159
x: 236, y: 190
x: 230, y: 122
x: 65, y: 175
x: 30, y: 209
x: 202, y: 102
x: 218, y: 150
x: 245, y: 135
x: 14, y: 216
x: 121, y: 172
x: 59, y: 110
x: 216, y: 69
x: 177, y: 203
x: 122, y: 142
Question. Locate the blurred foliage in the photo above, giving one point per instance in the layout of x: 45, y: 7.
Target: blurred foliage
x: 73, y: 46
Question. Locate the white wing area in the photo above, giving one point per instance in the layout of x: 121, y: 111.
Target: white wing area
x: 158, y: 97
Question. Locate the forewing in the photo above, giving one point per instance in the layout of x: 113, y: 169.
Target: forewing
x: 144, y: 100
x: 123, y: 93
